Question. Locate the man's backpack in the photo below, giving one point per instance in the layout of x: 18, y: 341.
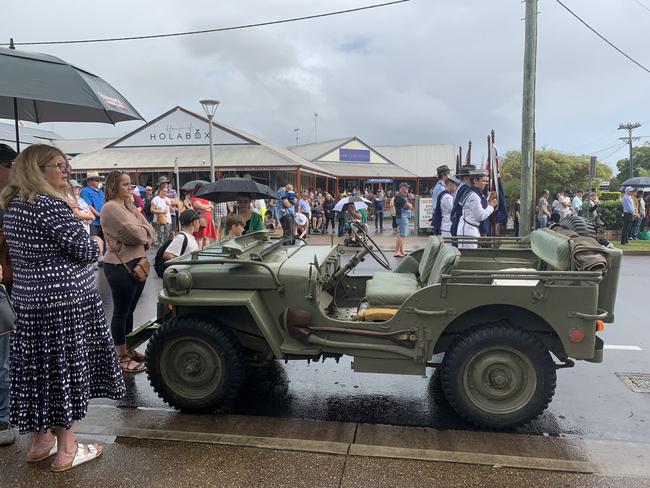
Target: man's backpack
x: 159, y: 262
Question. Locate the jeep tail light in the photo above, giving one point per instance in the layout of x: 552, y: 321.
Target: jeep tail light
x: 576, y: 335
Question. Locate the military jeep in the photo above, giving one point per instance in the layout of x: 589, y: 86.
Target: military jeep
x: 503, y: 318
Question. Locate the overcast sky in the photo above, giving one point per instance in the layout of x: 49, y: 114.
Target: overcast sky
x: 426, y: 71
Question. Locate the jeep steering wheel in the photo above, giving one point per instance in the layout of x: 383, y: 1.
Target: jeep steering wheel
x: 374, y: 250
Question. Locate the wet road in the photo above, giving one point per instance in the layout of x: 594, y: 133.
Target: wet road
x: 590, y: 401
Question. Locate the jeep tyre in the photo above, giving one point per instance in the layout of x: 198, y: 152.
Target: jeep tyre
x: 498, y: 377
x: 194, y: 365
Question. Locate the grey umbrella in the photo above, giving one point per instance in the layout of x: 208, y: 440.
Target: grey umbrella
x: 42, y: 88
x: 637, y: 182
x: 190, y: 185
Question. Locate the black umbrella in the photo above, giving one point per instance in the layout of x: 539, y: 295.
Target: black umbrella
x: 190, y: 185
x: 42, y: 88
x: 226, y: 190
x: 637, y: 182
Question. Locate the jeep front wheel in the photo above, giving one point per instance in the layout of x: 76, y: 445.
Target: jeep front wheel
x: 498, y: 377
x: 193, y: 365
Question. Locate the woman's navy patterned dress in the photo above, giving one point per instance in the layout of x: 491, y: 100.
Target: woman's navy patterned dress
x: 61, y: 352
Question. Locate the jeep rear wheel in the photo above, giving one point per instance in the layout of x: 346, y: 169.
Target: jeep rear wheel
x: 193, y: 365
x: 498, y: 377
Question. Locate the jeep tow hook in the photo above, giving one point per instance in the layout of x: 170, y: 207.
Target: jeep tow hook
x: 569, y: 363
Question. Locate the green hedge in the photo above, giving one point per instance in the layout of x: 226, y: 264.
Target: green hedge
x: 609, y: 195
x: 611, y: 211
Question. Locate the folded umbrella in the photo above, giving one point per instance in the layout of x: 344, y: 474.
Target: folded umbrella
x: 226, y: 190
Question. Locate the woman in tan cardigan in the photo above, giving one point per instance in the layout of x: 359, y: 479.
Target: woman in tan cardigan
x: 128, y: 236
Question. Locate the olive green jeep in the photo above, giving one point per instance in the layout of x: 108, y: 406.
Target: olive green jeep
x: 505, y: 317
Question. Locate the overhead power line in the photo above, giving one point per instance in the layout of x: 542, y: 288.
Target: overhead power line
x: 643, y: 5
x: 608, y: 148
x: 611, y: 153
x: 602, y: 37
x: 207, y: 31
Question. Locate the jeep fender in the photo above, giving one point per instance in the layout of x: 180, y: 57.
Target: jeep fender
x: 249, y: 299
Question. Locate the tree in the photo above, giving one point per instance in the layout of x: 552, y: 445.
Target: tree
x: 555, y: 171
x: 640, y: 161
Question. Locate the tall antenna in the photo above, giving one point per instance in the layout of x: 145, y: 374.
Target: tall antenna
x: 315, y: 127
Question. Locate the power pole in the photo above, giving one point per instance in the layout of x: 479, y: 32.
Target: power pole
x: 315, y: 127
x: 297, y: 131
x: 630, y: 126
x: 528, y: 121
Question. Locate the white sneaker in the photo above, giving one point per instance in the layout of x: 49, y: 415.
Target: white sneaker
x: 7, y: 434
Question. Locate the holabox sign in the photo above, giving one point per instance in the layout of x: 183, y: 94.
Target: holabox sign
x: 179, y: 129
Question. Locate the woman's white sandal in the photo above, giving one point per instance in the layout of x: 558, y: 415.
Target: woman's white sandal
x: 80, y: 457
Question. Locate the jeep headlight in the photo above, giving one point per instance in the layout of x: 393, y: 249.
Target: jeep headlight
x: 177, y: 282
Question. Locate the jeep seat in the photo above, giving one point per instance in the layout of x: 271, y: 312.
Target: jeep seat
x: 384, y: 291
x: 552, y: 248
x: 431, y: 248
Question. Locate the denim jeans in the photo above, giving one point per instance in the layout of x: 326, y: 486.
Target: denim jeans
x: 4, y: 378
x: 379, y: 220
x: 341, y: 228
x: 542, y: 220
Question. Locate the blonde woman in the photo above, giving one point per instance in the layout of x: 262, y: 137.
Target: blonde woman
x: 57, y: 304
x: 128, y: 236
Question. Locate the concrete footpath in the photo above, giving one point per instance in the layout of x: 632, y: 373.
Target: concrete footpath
x: 163, y: 448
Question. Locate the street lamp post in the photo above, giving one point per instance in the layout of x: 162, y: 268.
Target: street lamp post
x: 210, y: 107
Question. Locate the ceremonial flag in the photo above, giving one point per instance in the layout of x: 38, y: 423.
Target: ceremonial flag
x: 500, y: 214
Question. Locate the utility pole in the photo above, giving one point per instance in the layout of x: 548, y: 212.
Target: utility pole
x: 297, y: 131
x: 528, y: 120
x: 630, y: 126
x: 315, y: 127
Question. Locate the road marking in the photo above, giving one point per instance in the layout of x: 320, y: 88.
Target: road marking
x: 622, y: 348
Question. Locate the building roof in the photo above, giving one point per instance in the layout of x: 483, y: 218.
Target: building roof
x: 250, y: 157
x: 72, y: 147
x: 366, y: 170
x: 420, y: 159
x: 28, y: 135
x: 243, y: 151
x: 316, y: 150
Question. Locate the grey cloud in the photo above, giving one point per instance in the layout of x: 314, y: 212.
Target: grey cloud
x: 427, y: 71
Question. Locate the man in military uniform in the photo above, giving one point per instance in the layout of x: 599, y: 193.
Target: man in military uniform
x: 443, y: 173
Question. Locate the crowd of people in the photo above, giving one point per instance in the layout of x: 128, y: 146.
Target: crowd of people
x: 564, y: 205
x: 461, y: 207
x: 634, y: 214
